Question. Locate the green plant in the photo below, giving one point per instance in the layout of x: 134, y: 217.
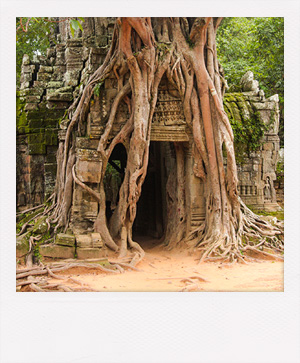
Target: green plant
x: 163, y: 49
x: 279, y: 171
x: 97, y: 88
x: 254, y: 44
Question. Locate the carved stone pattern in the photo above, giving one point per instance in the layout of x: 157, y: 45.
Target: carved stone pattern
x: 169, y: 110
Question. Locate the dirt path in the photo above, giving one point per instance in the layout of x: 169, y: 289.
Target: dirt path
x: 166, y: 271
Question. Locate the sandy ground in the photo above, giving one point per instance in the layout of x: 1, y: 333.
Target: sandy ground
x: 166, y: 271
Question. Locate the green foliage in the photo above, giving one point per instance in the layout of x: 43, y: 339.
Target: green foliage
x: 257, y: 45
x: 280, y: 171
x: 162, y: 49
x: 190, y: 43
x: 112, y: 174
x: 278, y: 214
x: 75, y: 24
x: 97, y: 88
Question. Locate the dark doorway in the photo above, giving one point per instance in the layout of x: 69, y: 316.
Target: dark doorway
x: 151, y: 208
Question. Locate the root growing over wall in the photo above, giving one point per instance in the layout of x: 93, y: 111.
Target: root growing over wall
x: 141, y: 52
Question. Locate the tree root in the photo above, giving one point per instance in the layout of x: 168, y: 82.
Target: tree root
x: 230, y: 229
x: 42, y: 284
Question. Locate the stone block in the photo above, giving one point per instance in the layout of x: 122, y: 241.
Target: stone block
x: 268, y: 146
x: 45, y: 69
x: 22, y: 245
x: 55, y: 84
x: 40, y: 226
x: 51, y: 52
x: 26, y: 60
x: 31, y: 106
x: 35, y: 123
x: 74, y: 66
x: 51, y: 139
x: 35, y: 138
x: 44, y: 77
x: 264, y: 105
x: 73, y: 54
x: 25, y: 85
x: 29, y: 68
x: 72, y: 78
x: 102, y: 40
x: 57, y: 96
x: 63, y: 239
x: 56, y: 105
x: 84, y: 240
x: 40, y: 84
x: 92, y: 240
x: 89, y: 253
x: 57, y: 251
x: 88, y: 171
x: 37, y: 149
x: 74, y: 42
x: 96, y: 240
x: 85, y: 143
x: 26, y: 77
x: 33, y: 99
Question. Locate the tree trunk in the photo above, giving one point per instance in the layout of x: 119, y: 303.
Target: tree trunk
x: 185, y: 51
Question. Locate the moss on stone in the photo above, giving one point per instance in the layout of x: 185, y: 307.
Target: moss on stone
x: 22, y: 246
x: 20, y: 110
x: 37, y: 149
x: 51, y: 137
x: 36, y: 123
x: 36, y: 138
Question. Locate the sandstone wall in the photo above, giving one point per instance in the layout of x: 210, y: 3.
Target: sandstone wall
x: 50, y: 84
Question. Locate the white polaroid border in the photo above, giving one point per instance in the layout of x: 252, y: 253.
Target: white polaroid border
x: 149, y: 327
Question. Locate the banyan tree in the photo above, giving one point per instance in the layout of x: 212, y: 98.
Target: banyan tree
x: 143, y: 52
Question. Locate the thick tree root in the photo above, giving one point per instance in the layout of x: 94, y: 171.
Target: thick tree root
x: 139, y: 56
x: 37, y: 278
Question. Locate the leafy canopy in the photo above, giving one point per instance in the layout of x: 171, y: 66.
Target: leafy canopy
x: 257, y: 45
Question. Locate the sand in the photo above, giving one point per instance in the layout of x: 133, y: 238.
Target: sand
x: 178, y: 270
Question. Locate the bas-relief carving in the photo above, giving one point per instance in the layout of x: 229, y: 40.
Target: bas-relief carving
x: 168, y: 111
x: 168, y: 122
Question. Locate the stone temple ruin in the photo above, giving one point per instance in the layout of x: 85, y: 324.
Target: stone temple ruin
x: 48, y: 87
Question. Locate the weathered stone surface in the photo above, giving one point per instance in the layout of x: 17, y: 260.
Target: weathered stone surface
x: 70, y: 62
x: 65, y: 240
x: 56, y: 251
x: 170, y: 133
x: 33, y: 99
x: 248, y: 83
x: 72, y: 78
x: 89, y: 253
x: 22, y: 247
x: 55, y: 84
x: 26, y: 60
x: 92, y: 240
x: 40, y: 226
x: 36, y: 149
x: 45, y: 69
x: 88, y: 171
x: 26, y: 77
x: 57, y: 96
x: 85, y: 143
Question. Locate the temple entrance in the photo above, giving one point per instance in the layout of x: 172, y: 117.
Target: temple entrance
x: 150, y: 220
